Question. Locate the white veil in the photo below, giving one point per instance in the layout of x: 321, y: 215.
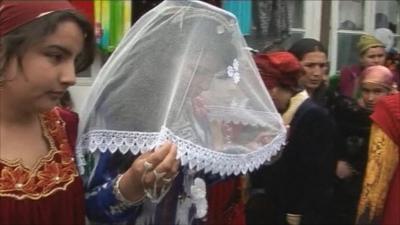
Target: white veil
x: 183, y: 72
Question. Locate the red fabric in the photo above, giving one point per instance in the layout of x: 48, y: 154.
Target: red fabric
x: 387, y: 117
x: 391, y: 214
x: 55, y: 206
x: 225, y: 205
x: 85, y: 7
x: 14, y: 14
x: 71, y: 120
x: 278, y: 68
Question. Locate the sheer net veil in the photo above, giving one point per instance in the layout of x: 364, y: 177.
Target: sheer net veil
x: 183, y: 72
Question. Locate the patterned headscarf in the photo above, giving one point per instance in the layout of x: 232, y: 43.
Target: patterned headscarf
x: 14, y: 14
x: 279, y: 69
x: 378, y: 75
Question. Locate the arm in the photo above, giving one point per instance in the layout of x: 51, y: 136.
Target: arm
x: 113, y: 197
x: 101, y: 202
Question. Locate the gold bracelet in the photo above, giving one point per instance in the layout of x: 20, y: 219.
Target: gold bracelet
x: 121, y: 198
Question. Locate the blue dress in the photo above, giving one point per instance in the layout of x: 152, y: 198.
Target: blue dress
x: 102, y: 207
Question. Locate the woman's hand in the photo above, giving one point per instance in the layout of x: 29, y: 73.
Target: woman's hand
x: 293, y: 219
x: 343, y: 169
x: 142, y: 174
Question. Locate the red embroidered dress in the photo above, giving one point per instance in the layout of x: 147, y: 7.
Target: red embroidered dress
x: 49, y: 193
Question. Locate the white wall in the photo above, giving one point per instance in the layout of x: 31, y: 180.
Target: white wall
x: 79, y: 94
x: 80, y: 91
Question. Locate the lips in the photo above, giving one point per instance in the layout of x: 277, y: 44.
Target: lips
x: 315, y: 81
x: 56, y: 94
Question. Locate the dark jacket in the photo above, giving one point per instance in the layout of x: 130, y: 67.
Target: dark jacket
x: 301, y: 181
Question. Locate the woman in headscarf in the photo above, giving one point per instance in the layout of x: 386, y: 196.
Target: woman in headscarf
x: 379, y: 202
x: 42, y: 45
x: 375, y: 82
x: 354, y: 125
x: 298, y: 188
x: 372, y: 53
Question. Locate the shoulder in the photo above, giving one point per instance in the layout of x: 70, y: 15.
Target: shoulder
x: 388, y: 106
x: 311, y: 107
x: 71, y: 120
x: 310, y: 113
x: 340, y: 104
x: 68, y: 116
x: 391, y: 101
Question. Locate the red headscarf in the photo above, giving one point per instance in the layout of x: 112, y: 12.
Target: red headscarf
x: 279, y: 68
x: 14, y: 14
x: 387, y: 116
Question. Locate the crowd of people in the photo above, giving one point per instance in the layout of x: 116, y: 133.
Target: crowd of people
x: 184, y: 125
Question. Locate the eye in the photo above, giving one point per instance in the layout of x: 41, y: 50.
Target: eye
x: 323, y: 65
x: 365, y: 90
x: 55, y: 57
x: 379, y: 91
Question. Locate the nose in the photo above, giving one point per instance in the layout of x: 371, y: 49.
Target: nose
x: 371, y: 97
x: 68, y: 74
x: 318, y: 71
x: 377, y: 60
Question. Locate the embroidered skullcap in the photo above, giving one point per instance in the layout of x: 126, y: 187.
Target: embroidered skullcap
x: 377, y: 75
x: 279, y: 68
x: 368, y: 41
x: 306, y: 45
x: 14, y: 14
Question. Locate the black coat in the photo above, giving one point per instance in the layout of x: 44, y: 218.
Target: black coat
x: 301, y: 181
x: 353, y: 125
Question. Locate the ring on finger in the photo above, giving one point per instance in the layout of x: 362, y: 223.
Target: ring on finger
x: 159, y: 175
x: 167, y: 180
x: 147, y: 166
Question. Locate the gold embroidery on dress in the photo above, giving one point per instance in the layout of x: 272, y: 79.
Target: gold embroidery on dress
x: 53, y: 172
x: 383, y: 159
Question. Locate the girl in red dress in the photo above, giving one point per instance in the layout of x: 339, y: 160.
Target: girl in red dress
x: 42, y: 46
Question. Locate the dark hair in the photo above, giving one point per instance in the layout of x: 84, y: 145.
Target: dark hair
x: 306, y: 45
x: 15, y: 43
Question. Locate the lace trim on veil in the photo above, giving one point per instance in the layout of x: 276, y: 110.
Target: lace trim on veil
x: 196, y: 156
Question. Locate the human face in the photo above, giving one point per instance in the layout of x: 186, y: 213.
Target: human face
x: 373, y: 57
x: 203, y: 73
x: 281, y: 98
x: 45, y: 71
x: 371, y: 93
x: 315, y: 66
